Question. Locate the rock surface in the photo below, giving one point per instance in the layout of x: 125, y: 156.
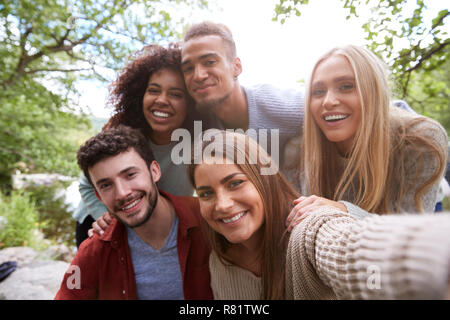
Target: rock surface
x: 37, y: 277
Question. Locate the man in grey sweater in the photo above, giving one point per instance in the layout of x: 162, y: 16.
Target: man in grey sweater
x: 211, y: 69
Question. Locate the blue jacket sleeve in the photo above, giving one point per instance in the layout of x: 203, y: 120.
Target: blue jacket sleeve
x: 93, y: 206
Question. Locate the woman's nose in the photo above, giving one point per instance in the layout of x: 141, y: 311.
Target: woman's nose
x: 223, y: 202
x: 330, y: 100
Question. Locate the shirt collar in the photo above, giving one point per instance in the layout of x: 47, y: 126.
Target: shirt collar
x: 186, y: 208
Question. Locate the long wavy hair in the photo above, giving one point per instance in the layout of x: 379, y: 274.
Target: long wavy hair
x: 374, y: 173
x: 277, y: 196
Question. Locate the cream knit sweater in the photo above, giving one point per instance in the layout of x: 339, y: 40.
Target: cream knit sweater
x: 334, y: 255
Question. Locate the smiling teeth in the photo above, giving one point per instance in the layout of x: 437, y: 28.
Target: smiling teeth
x: 236, y: 217
x: 161, y: 114
x: 131, y: 205
x: 335, y: 117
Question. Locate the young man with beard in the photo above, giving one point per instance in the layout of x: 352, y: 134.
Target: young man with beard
x: 154, y: 249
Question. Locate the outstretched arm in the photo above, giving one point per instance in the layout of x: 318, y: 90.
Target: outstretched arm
x: 379, y: 257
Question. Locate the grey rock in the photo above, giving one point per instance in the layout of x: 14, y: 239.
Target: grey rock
x: 21, y: 181
x: 37, y: 281
x: 34, y: 279
x: 22, y: 255
x: 59, y: 252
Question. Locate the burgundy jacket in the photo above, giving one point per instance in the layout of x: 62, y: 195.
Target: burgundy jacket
x: 106, y: 269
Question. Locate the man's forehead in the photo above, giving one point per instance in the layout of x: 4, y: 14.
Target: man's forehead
x: 117, y: 164
x: 199, y: 47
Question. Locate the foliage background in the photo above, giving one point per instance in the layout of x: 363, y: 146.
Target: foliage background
x: 411, y: 39
x: 47, y: 46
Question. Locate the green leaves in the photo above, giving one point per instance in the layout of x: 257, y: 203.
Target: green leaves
x: 34, y: 130
x: 411, y: 38
x: 21, y: 218
x: 45, y: 47
x: 285, y: 8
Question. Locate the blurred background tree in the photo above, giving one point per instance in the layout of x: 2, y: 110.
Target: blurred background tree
x: 46, y: 47
x: 412, y: 39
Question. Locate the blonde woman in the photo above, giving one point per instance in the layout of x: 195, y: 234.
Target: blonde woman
x: 357, y: 148
x: 331, y: 254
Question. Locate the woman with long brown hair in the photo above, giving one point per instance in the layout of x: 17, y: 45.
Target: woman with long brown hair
x: 331, y: 254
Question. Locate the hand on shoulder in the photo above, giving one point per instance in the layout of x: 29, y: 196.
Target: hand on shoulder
x: 304, y: 206
x: 101, y: 224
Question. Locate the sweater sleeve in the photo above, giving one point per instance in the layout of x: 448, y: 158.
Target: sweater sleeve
x: 94, y: 207
x: 275, y: 108
x: 272, y: 108
x: 355, y: 211
x: 379, y: 257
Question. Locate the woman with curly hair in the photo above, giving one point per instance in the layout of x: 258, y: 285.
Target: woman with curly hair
x: 357, y: 148
x: 149, y: 94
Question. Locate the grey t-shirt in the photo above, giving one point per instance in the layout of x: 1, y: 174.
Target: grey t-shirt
x: 174, y: 178
x: 157, y: 272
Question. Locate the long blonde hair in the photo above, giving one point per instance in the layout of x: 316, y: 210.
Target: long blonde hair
x: 370, y: 168
x: 277, y: 196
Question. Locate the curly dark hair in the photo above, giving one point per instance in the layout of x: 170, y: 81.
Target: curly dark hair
x: 127, y: 92
x: 111, y: 142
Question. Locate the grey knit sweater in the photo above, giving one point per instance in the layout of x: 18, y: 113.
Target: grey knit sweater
x: 334, y: 255
x: 273, y: 108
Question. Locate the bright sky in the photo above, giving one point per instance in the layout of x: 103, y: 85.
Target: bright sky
x: 269, y: 51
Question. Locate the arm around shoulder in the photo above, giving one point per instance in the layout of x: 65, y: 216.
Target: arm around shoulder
x: 94, y: 207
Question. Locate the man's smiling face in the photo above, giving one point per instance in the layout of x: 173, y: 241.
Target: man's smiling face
x: 209, y: 71
x: 126, y: 186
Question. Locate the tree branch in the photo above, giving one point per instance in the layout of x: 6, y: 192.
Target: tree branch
x: 22, y: 60
x: 429, y: 54
x: 405, y: 85
x: 56, y: 70
x: 125, y: 35
x: 439, y: 21
x: 59, y: 46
